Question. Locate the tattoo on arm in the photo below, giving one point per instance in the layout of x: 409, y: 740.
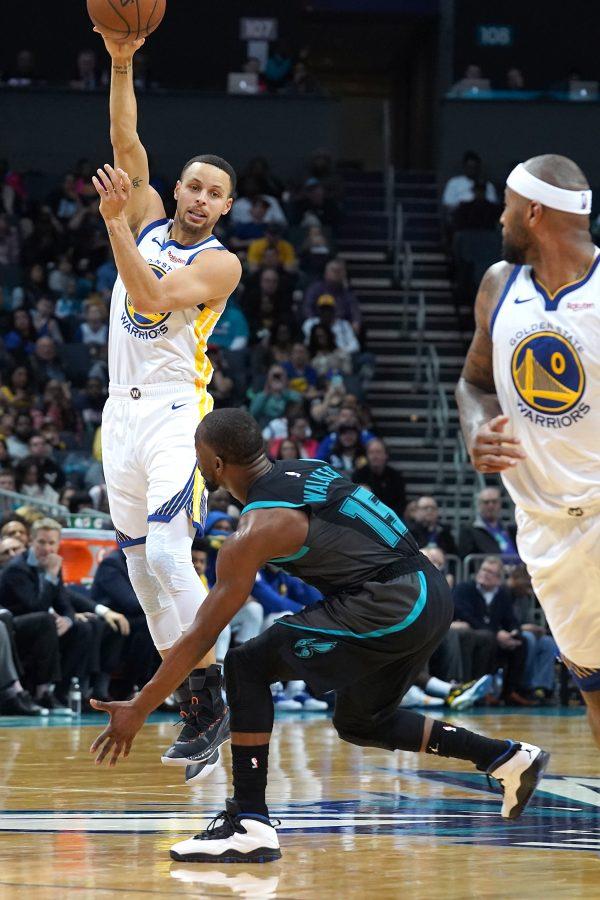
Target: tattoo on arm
x: 137, y: 182
x: 120, y: 69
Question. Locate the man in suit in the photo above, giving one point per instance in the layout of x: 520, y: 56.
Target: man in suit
x: 427, y: 530
x: 112, y: 589
x: 32, y: 582
x: 488, y: 534
x: 484, y: 609
x: 386, y: 482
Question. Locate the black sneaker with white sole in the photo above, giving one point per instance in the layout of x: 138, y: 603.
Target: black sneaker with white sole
x: 206, y: 721
x: 199, y: 771
x: 519, y: 772
x: 231, y: 837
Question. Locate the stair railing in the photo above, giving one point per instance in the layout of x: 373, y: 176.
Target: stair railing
x: 397, y: 247
x: 389, y: 175
x: 442, y: 418
x: 432, y: 380
x: 420, y: 321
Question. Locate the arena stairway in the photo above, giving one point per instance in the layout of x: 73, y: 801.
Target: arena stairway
x: 398, y: 394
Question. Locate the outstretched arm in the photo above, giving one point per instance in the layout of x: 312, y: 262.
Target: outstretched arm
x: 264, y: 535
x: 209, y: 281
x: 144, y: 203
x: 491, y: 448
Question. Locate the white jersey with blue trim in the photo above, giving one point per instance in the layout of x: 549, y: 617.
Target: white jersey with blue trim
x: 547, y: 375
x: 160, y: 347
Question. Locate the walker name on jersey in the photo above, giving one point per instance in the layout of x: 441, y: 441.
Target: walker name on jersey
x: 146, y: 326
x: 548, y: 375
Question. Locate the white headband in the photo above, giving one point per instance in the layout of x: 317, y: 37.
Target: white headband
x: 527, y: 185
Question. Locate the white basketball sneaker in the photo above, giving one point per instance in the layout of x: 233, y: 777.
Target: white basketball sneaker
x: 231, y: 837
x: 519, y: 771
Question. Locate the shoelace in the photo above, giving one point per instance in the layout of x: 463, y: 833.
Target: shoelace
x: 227, y: 827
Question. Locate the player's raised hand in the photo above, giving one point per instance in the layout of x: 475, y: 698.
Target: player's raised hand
x: 495, y: 449
x: 114, y: 190
x: 121, y: 50
x: 125, y: 722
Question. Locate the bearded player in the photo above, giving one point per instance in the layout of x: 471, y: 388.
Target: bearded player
x: 173, y: 283
x: 535, y: 363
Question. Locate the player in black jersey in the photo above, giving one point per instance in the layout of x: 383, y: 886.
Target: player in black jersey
x: 386, y: 609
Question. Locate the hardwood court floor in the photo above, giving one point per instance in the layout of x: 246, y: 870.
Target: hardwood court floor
x: 355, y: 823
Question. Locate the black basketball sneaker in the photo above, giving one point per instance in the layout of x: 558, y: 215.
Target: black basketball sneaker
x: 205, y: 722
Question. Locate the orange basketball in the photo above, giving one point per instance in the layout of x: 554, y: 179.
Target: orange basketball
x: 126, y: 20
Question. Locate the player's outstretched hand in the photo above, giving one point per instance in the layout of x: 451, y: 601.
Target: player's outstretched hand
x: 121, y: 50
x: 494, y: 449
x: 114, y: 190
x: 125, y: 722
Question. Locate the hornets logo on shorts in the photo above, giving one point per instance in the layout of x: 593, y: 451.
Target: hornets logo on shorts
x: 146, y: 321
x: 547, y: 373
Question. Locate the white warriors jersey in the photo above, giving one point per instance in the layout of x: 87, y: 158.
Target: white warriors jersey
x: 160, y: 347
x: 547, y: 377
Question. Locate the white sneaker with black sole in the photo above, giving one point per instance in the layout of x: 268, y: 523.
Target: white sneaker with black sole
x: 231, y: 837
x: 519, y: 772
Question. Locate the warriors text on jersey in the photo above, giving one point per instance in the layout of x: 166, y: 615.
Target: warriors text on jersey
x: 547, y: 376
x: 160, y: 347
x: 352, y: 536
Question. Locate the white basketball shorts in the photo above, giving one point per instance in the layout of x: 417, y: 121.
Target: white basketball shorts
x: 562, y: 555
x: 149, y: 457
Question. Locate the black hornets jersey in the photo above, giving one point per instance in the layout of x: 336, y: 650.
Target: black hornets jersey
x: 352, y: 536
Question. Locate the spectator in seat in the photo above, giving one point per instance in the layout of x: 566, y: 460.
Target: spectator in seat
x: 348, y: 452
x: 338, y: 414
x: 23, y: 74
x: 32, y: 582
x: 542, y: 650
x: 14, y: 526
x: 18, y: 442
x: 10, y: 243
x: 64, y: 201
x: 299, y: 431
x: 259, y: 172
x: 314, y: 207
x: 273, y: 238
x: 94, y: 329
x: 7, y: 480
x: 231, y: 331
x: 265, y: 304
x: 112, y: 589
x: 288, y: 449
x: 315, y: 253
x: 45, y: 362
x: 334, y: 284
x: 303, y: 82
x: 383, y: 480
x: 302, y: 376
x: 221, y: 383
x: 41, y: 453
x: 19, y: 392
x: 87, y: 75
x: 326, y: 358
x: 343, y: 332
x: 29, y: 480
x: 514, y: 79
x: 44, y: 320
x: 485, y: 605
x: 271, y: 402
x: 244, y: 232
x: 478, y: 214
x: 488, y: 534
x: 428, y: 531
x: 461, y: 188
x: 20, y: 340
x: 249, y: 188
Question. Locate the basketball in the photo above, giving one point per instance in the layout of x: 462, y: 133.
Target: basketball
x: 126, y: 20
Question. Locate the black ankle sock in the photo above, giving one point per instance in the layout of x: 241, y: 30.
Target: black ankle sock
x: 250, y: 766
x: 449, y: 740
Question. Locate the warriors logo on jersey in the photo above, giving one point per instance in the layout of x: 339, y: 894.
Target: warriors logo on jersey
x: 547, y: 373
x: 149, y: 323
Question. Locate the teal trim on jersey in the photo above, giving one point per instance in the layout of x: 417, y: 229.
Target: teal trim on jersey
x: 379, y: 632
x: 281, y: 559
x: 270, y: 504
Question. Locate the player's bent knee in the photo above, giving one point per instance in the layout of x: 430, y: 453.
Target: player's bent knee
x: 145, y: 585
